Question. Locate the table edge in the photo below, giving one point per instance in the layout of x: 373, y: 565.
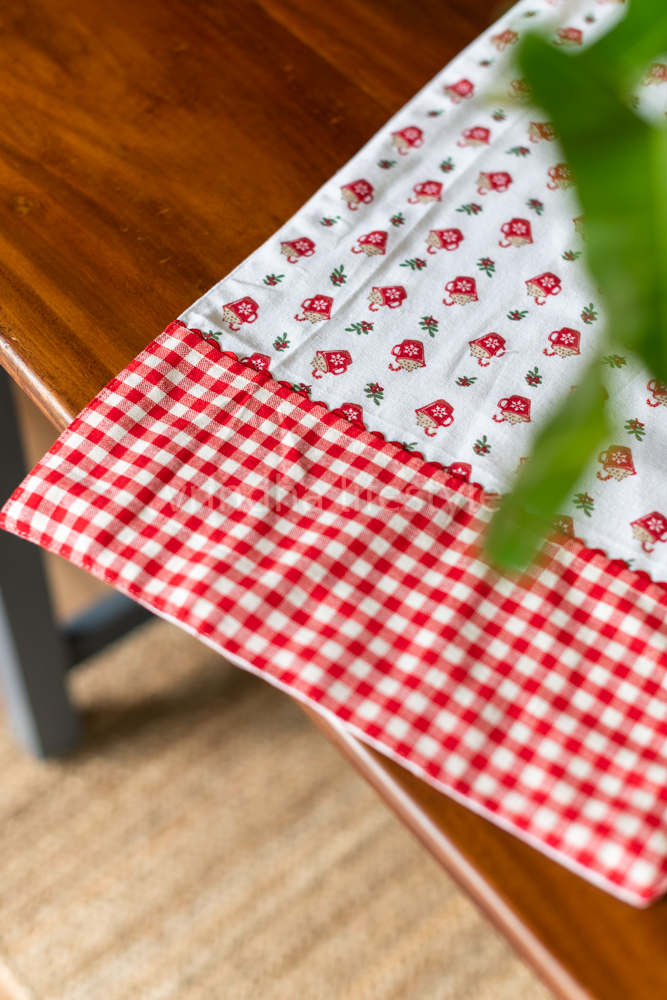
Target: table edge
x: 41, y: 395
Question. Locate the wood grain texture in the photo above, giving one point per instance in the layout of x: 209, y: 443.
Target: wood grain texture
x: 147, y: 148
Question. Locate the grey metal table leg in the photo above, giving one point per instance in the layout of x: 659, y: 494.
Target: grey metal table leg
x: 33, y: 655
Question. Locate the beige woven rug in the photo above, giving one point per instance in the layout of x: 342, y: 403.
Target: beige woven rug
x: 206, y: 843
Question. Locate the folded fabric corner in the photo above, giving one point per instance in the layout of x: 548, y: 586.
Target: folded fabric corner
x: 348, y: 571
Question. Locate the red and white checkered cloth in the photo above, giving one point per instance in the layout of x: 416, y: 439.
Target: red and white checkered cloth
x: 348, y: 571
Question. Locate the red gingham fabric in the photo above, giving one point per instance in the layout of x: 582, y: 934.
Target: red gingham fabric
x: 348, y: 572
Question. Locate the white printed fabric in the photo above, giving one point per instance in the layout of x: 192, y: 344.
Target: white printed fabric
x: 296, y: 538
x: 435, y: 290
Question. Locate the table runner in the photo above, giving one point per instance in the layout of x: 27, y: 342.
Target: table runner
x: 346, y: 568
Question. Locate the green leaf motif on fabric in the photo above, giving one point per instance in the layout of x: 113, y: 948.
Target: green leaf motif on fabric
x: 582, y: 501
x: 375, y: 392
x: 588, y: 314
x: 213, y: 335
x: 470, y: 209
x: 429, y: 325
x: 636, y: 428
x: 614, y: 361
x: 365, y: 326
x: 338, y: 276
x: 415, y: 264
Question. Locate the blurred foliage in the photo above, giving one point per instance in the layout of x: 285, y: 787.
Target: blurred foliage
x: 620, y: 164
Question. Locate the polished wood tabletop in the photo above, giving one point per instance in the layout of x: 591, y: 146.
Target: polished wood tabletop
x: 146, y: 149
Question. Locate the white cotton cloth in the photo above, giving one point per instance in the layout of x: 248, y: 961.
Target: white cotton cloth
x: 456, y: 232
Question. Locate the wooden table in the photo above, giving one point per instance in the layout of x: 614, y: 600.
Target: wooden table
x: 146, y: 149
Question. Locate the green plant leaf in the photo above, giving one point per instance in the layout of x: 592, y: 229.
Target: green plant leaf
x: 560, y: 453
x: 623, y: 53
x: 620, y: 164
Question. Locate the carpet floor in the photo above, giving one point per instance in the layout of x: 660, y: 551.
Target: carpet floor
x: 206, y: 843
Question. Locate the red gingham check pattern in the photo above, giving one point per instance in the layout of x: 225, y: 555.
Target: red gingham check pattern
x: 348, y: 571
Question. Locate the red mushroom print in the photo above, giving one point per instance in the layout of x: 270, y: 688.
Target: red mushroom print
x: 437, y: 414
x: 357, y: 193
x: 372, y: 244
x: 561, y: 177
x: 461, y: 469
x: 541, y: 130
x: 426, y: 191
x: 569, y: 36
x: 505, y: 38
x: 564, y: 342
x: 659, y: 391
x: 443, y: 239
x: 392, y: 296
x: 352, y: 412
x: 407, y: 139
x: 315, y: 309
x: 542, y: 286
x: 242, y: 311
x: 520, y: 90
x: 462, y: 290
x: 461, y: 91
x: 484, y: 348
x: 331, y: 363
x: 616, y: 462
x: 260, y: 362
x: 580, y: 226
x: 497, y: 180
x: 564, y: 525
x: 650, y: 529
x: 409, y: 354
x: 656, y: 74
x: 294, y: 249
x: 517, y: 233
x: 515, y: 410
x: 477, y: 136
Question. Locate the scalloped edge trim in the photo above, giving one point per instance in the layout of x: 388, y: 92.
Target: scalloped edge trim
x: 638, y: 579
